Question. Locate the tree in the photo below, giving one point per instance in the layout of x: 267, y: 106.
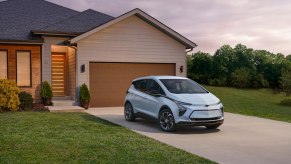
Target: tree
x: 286, y: 80
x: 241, y: 77
x: 201, y: 67
x: 223, y: 64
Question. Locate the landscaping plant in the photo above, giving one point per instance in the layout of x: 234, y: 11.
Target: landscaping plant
x: 84, y: 96
x: 26, y: 101
x: 9, y: 100
x: 46, y: 93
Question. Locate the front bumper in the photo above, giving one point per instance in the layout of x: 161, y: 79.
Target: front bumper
x: 202, y: 116
x: 202, y: 123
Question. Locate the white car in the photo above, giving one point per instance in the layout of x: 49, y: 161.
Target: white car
x: 173, y: 101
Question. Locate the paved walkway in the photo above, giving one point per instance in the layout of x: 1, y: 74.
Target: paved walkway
x: 241, y: 139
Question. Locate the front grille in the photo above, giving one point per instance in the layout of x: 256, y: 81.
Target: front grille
x: 205, y: 119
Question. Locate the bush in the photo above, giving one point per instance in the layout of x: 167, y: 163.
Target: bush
x: 8, y: 95
x: 26, y: 101
x: 39, y: 108
x: 286, y: 102
x: 217, y: 82
x: 84, y: 93
x: 46, y: 93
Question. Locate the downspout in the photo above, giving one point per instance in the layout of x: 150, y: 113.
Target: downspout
x: 191, y: 49
x: 76, y: 78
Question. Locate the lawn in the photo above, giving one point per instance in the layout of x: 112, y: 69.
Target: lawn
x: 254, y: 102
x: 42, y: 137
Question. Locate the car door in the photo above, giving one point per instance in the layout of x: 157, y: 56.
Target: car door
x: 140, y: 95
x: 152, y: 101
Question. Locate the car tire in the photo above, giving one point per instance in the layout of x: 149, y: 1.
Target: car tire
x: 128, y: 112
x: 167, y: 120
x: 212, y: 126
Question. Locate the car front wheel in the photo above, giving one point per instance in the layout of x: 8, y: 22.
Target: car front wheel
x: 167, y: 120
x: 128, y: 112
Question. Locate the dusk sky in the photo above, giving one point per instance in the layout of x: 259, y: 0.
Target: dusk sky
x: 258, y: 24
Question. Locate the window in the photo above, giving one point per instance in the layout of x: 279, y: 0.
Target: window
x: 23, y: 68
x: 154, y: 88
x: 140, y: 85
x: 3, y: 64
x: 182, y: 86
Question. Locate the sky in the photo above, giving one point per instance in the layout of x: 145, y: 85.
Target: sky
x: 258, y: 24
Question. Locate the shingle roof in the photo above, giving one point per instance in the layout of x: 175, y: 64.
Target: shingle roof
x: 79, y: 23
x: 19, y: 17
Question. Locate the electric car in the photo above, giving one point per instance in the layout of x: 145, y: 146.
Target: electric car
x: 173, y: 101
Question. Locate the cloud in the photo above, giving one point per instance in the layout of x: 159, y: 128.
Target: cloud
x: 260, y: 24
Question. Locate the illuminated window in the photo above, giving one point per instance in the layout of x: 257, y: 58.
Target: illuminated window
x: 23, y: 68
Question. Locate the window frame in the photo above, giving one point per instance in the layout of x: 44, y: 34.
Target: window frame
x: 30, y: 67
x: 6, y: 50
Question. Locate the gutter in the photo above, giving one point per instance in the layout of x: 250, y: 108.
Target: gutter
x: 36, y: 42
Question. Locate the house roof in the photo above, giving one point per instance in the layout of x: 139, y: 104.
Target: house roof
x: 21, y: 17
x: 78, y: 24
x: 141, y: 14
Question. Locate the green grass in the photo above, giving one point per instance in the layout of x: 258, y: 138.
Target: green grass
x: 254, y: 102
x: 35, y: 137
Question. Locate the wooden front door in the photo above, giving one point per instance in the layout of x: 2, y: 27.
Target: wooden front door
x: 59, y: 74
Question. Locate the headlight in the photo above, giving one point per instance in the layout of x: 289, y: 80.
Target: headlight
x: 222, y: 109
x: 181, y: 107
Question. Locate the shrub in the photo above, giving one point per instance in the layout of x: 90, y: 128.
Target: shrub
x: 39, y: 108
x: 46, y: 93
x: 8, y: 95
x: 84, y: 93
x: 84, y: 96
x: 286, y: 102
x: 26, y: 101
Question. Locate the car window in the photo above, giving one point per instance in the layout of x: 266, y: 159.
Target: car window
x: 154, y: 88
x: 140, y: 85
x: 182, y: 86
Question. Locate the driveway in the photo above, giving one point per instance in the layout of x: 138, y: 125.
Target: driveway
x: 241, y: 139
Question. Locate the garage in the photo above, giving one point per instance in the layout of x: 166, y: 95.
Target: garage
x: 110, y: 81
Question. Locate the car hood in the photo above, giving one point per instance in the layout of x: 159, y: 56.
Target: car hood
x: 196, y: 99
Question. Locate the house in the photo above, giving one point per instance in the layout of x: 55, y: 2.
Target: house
x: 41, y: 41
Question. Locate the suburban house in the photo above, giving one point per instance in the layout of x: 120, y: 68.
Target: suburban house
x: 42, y: 41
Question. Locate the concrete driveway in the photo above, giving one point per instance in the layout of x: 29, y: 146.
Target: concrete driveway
x: 241, y: 139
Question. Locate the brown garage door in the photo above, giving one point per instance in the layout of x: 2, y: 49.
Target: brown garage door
x: 109, y: 81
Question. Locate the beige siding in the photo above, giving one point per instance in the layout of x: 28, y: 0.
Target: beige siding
x: 71, y: 73
x: 131, y: 40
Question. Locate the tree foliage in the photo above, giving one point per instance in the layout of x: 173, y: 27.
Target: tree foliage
x: 240, y: 67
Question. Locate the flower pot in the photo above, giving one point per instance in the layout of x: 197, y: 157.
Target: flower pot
x: 85, y: 104
x: 47, y: 101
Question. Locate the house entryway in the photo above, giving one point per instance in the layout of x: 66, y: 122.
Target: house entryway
x: 59, y: 74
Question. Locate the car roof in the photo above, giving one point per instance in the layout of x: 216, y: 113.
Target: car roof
x: 159, y: 77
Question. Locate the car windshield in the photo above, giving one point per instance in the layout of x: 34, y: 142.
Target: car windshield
x: 182, y: 86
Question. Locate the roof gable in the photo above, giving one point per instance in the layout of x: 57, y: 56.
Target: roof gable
x: 145, y: 17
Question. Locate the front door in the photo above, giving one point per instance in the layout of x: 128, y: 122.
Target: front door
x: 59, y: 74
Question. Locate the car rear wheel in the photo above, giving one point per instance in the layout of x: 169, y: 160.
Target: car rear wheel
x: 128, y: 112
x: 167, y: 120
x: 213, y: 126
